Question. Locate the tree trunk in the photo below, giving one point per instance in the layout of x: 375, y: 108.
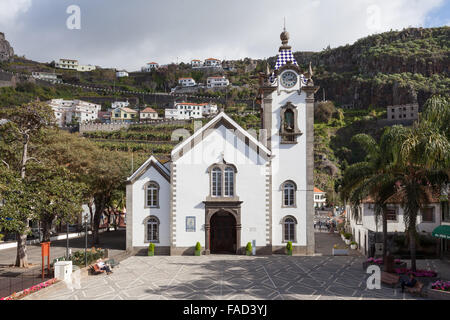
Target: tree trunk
x: 99, y: 208
x: 46, y: 226
x: 412, y: 247
x: 91, y: 213
x: 21, y: 257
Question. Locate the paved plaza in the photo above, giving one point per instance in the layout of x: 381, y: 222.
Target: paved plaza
x: 227, y: 277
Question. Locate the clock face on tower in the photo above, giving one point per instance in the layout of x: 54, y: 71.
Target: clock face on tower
x: 289, y: 79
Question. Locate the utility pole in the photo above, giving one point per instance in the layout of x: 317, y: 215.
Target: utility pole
x: 85, y: 239
x: 67, y: 241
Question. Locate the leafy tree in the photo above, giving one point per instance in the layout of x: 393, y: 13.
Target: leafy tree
x: 23, y: 124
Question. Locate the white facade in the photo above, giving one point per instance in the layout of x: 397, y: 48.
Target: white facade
x: 215, y: 82
x: 186, y: 82
x: 361, y: 226
x: 150, y: 66
x: 47, y: 76
x: 70, y: 64
x: 68, y: 111
x: 211, y: 62
x: 186, y: 110
x: 148, y: 113
x: 121, y: 74
x: 224, y: 188
x: 196, y: 63
x: 320, y: 198
x: 119, y: 104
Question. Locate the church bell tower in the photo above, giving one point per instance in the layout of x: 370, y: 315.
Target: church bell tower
x: 287, y: 113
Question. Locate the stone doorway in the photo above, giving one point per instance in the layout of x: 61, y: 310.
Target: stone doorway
x: 223, y: 233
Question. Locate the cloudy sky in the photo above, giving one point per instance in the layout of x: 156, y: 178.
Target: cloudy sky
x: 127, y: 34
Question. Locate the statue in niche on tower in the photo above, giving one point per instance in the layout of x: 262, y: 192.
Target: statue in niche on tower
x: 289, y: 121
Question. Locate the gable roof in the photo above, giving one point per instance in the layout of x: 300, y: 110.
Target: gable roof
x: 148, y: 110
x: 317, y: 190
x: 222, y: 116
x: 151, y: 162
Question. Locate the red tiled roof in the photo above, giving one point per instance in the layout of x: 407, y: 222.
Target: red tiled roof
x: 148, y: 110
x: 318, y: 190
x: 212, y: 59
x: 185, y: 78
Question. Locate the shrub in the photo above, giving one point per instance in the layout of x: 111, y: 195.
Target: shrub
x: 353, y: 242
x: 347, y: 236
x: 248, y: 248
x: 92, y: 255
x: 1, y: 236
x: 198, y: 246
x: 289, y: 246
x: 151, y: 248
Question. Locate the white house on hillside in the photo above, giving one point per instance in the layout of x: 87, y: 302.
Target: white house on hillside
x: 187, y: 110
x: 71, y: 64
x: 150, y: 66
x: 186, y: 82
x: 121, y: 73
x: 215, y: 82
x: 148, y: 113
x: 69, y: 111
x: 195, y: 63
x: 320, y: 198
x: 224, y: 188
x: 211, y: 62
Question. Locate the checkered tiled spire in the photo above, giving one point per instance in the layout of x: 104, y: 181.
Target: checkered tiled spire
x: 284, y: 55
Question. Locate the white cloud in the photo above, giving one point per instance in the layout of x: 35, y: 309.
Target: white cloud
x: 10, y: 9
x: 127, y: 35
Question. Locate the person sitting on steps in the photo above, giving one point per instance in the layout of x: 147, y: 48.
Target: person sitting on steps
x: 410, y: 283
x: 104, y: 266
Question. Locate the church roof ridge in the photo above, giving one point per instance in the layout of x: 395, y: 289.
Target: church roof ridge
x: 223, y: 115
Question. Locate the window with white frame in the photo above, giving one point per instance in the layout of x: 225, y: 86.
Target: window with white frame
x: 152, y: 199
x: 216, y: 182
x: 289, y: 226
x: 289, y: 194
x: 229, y: 182
x: 152, y: 229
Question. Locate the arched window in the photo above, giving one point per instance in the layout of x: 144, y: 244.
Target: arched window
x: 152, y: 229
x: 229, y: 182
x: 289, y: 226
x: 152, y: 199
x: 216, y: 182
x: 289, y: 120
x: 289, y: 189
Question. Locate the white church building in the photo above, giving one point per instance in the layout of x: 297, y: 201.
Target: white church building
x: 224, y: 187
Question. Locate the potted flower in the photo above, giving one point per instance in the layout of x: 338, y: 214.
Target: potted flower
x: 151, y: 249
x: 439, y: 290
x: 289, y: 248
x: 248, y: 249
x: 353, y: 245
x: 198, y: 249
x: 348, y: 238
x: 336, y: 251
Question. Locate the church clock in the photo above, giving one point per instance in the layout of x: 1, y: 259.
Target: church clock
x: 288, y: 79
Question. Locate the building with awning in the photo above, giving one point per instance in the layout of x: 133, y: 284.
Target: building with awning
x: 442, y: 232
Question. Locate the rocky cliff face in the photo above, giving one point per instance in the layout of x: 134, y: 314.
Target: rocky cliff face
x: 384, y: 69
x: 6, y: 51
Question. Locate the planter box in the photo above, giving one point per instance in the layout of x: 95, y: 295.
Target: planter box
x: 437, y: 294
x: 248, y: 253
x: 347, y: 242
x: 151, y: 253
x: 340, y: 252
x: 289, y: 252
x: 396, y: 265
x: 353, y: 246
x: 198, y: 252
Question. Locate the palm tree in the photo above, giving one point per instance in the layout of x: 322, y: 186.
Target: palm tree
x: 422, y: 167
x: 373, y: 176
